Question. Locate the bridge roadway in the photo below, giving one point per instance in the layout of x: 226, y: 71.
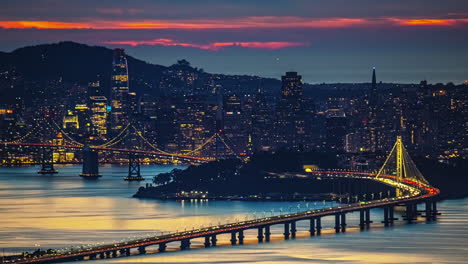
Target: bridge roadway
x: 414, y: 193
x: 157, y: 153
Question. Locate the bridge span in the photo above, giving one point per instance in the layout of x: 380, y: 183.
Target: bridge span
x: 410, y: 194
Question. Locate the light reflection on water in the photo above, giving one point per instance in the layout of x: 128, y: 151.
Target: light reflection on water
x: 64, y: 209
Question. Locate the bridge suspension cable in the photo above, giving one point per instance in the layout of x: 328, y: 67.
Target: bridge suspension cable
x: 116, y: 139
x: 57, y: 128
x: 229, y: 147
x: 400, y: 164
x: 140, y: 134
x: 20, y: 139
x: 209, y: 140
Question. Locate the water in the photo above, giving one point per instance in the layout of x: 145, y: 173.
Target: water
x: 51, y: 211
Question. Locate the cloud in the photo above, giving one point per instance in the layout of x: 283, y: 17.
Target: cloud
x: 214, y: 46
x: 43, y: 25
x: 253, y: 22
x: 428, y: 22
x: 119, y: 11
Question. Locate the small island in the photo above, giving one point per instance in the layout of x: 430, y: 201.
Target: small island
x: 261, y: 179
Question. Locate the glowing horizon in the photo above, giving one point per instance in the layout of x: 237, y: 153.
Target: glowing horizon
x: 252, y: 22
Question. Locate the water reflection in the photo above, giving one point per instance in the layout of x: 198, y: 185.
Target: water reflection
x: 64, y: 209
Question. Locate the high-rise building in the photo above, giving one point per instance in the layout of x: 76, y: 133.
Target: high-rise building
x: 291, y: 91
x: 98, y: 106
x: 119, y: 91
x: 374, y: 94
x: 236, y: 122
x: 372, y: 124
x: 290, y: 122
x: 94, y: 89
x: 70, y: 120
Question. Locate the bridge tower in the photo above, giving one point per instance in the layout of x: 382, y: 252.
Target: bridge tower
x: 133, y: 168
x: 47, y: 162
x: 399, y: 158
x: 90, y: 164
x: 400, y: 165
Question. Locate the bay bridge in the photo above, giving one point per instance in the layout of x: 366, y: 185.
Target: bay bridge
x: 398, y: 172
x: 90, y: 157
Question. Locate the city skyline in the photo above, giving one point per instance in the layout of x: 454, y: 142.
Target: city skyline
x: 233, y: 131
x: 406, y: 42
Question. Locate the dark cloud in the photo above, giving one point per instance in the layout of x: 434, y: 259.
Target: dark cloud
x: 150, y: 9
x: 407, y: 39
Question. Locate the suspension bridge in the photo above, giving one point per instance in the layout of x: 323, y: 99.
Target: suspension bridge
x: 90, y: 153
x: 399, y: 173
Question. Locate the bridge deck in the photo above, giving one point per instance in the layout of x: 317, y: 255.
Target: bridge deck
x: 416, y: 192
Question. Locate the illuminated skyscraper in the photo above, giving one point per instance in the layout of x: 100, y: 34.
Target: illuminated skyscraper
x: 119, y: 91
x: 98, y: 105
x: 373, y: 120
x: 290, y: 123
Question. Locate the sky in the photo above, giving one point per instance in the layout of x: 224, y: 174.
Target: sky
x: 324, y: 40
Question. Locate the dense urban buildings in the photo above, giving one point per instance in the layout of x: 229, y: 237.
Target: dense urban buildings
x: 181, y: 108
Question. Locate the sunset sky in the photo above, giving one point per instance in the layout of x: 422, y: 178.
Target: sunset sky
x: 324, y: 40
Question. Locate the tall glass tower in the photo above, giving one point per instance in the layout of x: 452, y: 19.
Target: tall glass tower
x: 119, y: 92
x: 290, y: 122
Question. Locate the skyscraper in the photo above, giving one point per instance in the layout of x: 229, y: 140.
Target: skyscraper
x: 290, y: 123
x: 119, y: 91
x: 374, y: 87
x: 98, y: 106
x: 291, y: 91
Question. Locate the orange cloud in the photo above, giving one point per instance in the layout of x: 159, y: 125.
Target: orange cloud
x: 232, y: 23
x: 271, y: 45
x: 43, y: 25
x: 426, y: 22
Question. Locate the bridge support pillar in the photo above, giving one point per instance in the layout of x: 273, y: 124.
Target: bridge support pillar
x: 343, y: 222
x: 185, y: 244
x: 90, y: 164
x: 133, y: 168
x: 162, y: 247
x: 434, y: 209
x: 233, y: 238
x: 127, y: 252
x: 391, y: 214
x: 286, y: 231
x: 386, y: 220
x: 293, y: 230
x: 260, y: 235
x: 368, y: 221
x: 207, y: 242
x: 213, y: 240
x: 241, y: 237
x: 102, y: 255
x: 312, y: 227
x: 142, y: 250
x: 362, y: 219
x: 428, y: 207
x: 411, y: 214
x: 108, y: 254
x: 47, y: 163
x: 92, y: 256
x: 337, y: 223
x: 318, y: 225
x: 267, y: 233
x: 114, y: 253
x: 122, y: 252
